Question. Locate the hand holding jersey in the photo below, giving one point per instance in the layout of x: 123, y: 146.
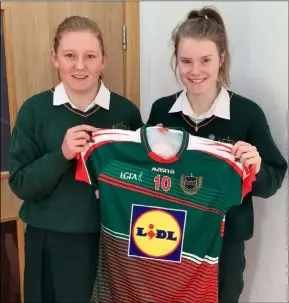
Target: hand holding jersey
x: 247, y: 154
x: 162, y: 214
x: 76, y: 140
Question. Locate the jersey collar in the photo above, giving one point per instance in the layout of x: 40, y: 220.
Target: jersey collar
x: 155, y: 157
x: 102, y: 98
x: 220, y: 107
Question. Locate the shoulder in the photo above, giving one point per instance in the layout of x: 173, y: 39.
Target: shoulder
x: 242, y: 106
x: 38, y: 100
x: 161, y: 107
x: 32, y: 108
x: 119, y: 102
x: 36, y: 104
x: 164, y: 104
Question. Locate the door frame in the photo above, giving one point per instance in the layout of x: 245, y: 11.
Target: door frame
x: 132, y: 52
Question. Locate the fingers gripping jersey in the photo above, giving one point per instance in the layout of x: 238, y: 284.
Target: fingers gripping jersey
x: 161, y: 219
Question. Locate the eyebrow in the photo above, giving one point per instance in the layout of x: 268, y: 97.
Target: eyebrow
x: 206, y: 56
x: 71, y: 50
x: 203, y: 57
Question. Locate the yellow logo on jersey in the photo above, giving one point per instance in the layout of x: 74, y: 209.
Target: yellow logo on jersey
x: 157, y: 233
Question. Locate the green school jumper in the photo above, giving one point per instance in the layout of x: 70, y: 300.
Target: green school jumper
x: 247, y: 123
x: 61, y: 240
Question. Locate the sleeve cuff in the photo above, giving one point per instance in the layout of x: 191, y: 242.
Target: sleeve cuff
x: 260, y: 179
x: 61, y: 160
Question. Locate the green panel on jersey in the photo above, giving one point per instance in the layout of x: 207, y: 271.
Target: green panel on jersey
x: 161, y: 219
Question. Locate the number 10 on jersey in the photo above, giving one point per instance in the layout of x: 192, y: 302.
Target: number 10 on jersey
x: 163, y: 182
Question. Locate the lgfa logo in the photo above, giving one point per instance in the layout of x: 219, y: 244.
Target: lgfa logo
x: 156, y: 233
x: 131, y: 176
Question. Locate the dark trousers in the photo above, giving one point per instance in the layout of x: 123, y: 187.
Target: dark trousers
x: 232, y: 264
x: 59, y: 267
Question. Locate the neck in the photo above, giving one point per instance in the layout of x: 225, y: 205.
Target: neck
x: 82, y: 99
x: 202, y: 103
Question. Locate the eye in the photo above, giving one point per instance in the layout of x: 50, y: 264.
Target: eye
x: 185, y: 61
x: 90, y: 56
x: 69, y: 55
x: 206, y: 60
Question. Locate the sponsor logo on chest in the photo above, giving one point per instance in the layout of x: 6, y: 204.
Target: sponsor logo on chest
x: 156, y: 233
x: 163, y: 170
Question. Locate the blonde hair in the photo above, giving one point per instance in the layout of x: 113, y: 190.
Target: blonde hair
x: 206, y: 23
x: 78, y: 23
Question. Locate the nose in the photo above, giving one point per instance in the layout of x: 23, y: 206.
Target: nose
x: 80, y: 64
x: 195, y: 70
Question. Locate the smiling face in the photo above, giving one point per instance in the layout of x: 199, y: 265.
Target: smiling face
x: 80, y: 60
x: 198, y: 63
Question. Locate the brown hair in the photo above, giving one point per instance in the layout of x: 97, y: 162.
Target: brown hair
x: 78, y: 23
x: 206, y: 23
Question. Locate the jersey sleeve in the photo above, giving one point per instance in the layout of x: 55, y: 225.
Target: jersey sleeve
x: 84, y: 172
x: 92, y: 161
x: 223, y: 152
x: 248, y: 177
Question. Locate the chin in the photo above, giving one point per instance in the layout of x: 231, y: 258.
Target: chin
x: 198, y: 89
x: 81, y: 87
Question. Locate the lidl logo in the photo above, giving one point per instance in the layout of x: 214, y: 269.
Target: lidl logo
x: 156, y: 233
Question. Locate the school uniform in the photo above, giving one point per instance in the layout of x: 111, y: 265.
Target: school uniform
x: 62, y: 235
x: 231, y: 118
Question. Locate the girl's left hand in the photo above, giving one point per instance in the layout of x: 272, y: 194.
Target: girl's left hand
x: 247, y: 154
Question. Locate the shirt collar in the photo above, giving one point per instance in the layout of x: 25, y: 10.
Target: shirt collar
x: 102, y: 98
x: 220, y: 107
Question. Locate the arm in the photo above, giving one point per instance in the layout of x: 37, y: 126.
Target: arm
x: 135, y: 120
x: 152, y: 121
x: 273, y: 165
x: 33, y: 175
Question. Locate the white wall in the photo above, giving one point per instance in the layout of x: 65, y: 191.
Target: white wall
x: 258, y: 34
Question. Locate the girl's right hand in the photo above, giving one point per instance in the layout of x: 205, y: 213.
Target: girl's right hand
x: 75, y: 140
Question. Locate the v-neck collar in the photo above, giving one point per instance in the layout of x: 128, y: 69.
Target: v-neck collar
x: 102, y: 99
x: 157, y: 158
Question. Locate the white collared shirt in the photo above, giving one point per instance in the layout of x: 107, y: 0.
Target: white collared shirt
x: 220, y: 107
x: 102, y: 98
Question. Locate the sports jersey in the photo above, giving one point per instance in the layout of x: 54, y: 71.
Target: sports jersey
x: 161, y: 218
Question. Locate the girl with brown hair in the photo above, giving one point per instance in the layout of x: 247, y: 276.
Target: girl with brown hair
x: 207, y: 108
x: 62, y: 234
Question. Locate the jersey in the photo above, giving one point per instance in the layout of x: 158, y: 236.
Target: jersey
x: 161, y: 218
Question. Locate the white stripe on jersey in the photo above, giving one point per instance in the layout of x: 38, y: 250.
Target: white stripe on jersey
x: 191, y: 257
x: 199, y: 260
x: 114, y: 233
x: 195, y: 143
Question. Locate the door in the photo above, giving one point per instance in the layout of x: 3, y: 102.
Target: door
x: 33, y: 25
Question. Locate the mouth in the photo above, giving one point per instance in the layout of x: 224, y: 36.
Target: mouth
x: 197, y: 81
x: 79, y: 77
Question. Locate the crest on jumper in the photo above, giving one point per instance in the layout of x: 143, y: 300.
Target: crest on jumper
x: 120, y: 125
x: 190, y: 184
x: 156, y: 233
x: 227, y: 140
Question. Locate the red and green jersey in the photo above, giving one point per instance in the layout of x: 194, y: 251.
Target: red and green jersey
x: 161, y: 219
